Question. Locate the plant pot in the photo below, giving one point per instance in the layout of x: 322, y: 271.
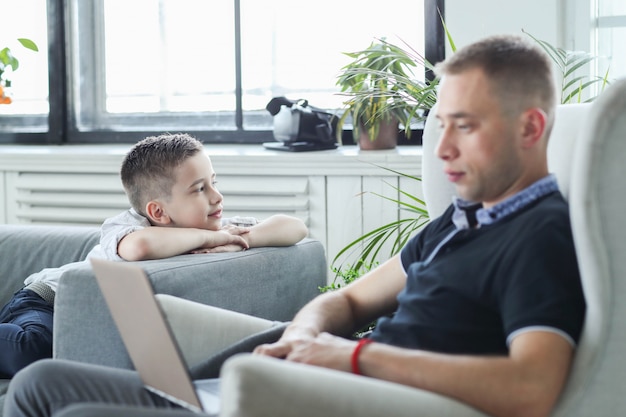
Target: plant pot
x: 387, y: 137
x: 5, y: 96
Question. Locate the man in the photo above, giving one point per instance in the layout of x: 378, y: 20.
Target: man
x: 485, y: 305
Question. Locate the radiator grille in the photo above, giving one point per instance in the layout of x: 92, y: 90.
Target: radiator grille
x: 88, y: 199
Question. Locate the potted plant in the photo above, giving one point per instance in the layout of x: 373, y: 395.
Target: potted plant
x: 7, y: 59
x: 383, y: 93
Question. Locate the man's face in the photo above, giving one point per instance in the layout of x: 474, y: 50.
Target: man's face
x: 478, y: 145
x: 194, y: 201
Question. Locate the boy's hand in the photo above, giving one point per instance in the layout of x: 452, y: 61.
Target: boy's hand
x: 229, y: 236
x: 235, y: 232
x: 220, y: 249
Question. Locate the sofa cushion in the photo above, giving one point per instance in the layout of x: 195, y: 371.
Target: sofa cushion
x: 29, y: 249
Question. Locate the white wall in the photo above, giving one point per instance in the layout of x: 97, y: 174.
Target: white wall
x: 469, y: 21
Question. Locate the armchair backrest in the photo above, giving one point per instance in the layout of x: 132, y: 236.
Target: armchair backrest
x: 587, y: 152
x: 597, y: 207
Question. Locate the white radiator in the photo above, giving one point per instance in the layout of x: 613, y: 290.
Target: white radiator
x: 88, y: 199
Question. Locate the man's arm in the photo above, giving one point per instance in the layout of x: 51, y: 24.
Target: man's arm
x: 525, y: 383
x: 277, y: 230
x: 163, y: 242
x: 343, y: 311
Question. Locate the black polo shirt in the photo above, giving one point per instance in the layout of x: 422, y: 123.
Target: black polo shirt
x: 482, y: 285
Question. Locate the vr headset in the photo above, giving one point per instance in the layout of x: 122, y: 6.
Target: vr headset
x: 301, y: 127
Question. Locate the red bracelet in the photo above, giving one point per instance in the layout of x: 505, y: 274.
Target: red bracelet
x: 355, y: 355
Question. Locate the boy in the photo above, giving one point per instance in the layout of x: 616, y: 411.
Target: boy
x: 170, y: 183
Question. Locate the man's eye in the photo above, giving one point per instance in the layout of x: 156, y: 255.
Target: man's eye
x: 200, y: 190
x: 214, y: 182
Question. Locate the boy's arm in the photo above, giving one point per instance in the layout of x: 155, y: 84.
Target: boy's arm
x: 163, y: 242
x: 277, y: 230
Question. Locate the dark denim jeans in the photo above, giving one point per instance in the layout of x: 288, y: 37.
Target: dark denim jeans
x: 25, y: 332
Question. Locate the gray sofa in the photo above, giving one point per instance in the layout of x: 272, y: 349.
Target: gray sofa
x: 272, y: 283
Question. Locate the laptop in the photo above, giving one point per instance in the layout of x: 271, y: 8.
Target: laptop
x: 149, y: 340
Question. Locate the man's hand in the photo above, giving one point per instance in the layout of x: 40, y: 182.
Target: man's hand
x: 325, y: 350
x: 290, y: 340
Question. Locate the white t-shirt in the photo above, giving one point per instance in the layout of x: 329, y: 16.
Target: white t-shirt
x: 111, y: 232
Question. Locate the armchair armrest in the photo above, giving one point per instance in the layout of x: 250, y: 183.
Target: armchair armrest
x: 258, y: 386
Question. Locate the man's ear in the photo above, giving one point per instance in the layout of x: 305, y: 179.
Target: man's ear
x: 156, y: 213
x: 533, y: 126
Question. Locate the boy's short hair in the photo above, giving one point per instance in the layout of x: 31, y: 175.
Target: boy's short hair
x: 147, y: 171
x: 519, y: 72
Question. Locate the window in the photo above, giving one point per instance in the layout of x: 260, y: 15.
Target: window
x: 29, y: 83
x: 610, y: 35
x: 131, y: 68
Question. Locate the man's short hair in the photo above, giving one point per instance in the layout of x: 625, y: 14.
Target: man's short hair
x: 519, y: 72
x: 147, y: 171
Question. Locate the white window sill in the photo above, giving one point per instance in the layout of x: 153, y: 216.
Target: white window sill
x: 227, y: 159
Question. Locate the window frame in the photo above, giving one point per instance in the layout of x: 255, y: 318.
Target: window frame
x: 63, y: 124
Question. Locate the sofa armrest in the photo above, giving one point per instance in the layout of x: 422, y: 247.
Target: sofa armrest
x: 258, y: 386
x: 272, y: 283
x: 26, y: 249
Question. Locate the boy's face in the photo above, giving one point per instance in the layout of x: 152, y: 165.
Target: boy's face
x: 194, y: 201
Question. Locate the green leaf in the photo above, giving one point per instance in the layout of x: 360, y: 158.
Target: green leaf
x: 367, y: 249
x: 577, y: 61
x: 568, y: 63
x: 8, y: 60
x: 27, y: 43
x: 448, y: 35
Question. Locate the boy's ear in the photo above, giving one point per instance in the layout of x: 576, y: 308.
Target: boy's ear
x: 156, y: 213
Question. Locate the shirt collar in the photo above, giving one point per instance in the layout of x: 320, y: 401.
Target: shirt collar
x: 468, y: 214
